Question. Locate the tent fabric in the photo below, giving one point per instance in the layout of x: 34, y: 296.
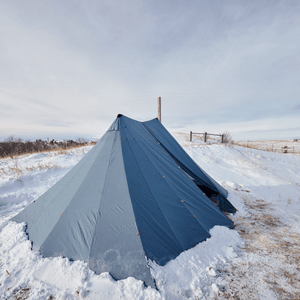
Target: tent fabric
x: 128, y: 200
x: 213, y: 190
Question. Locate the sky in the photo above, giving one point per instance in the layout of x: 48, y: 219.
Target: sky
x: 68, y: 67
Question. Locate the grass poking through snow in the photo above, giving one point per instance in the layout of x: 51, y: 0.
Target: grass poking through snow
x: 269, y: 260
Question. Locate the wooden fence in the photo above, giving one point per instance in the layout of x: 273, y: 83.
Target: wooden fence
x: 205, y: 134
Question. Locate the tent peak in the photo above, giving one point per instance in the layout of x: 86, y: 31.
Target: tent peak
x: 119, y: 115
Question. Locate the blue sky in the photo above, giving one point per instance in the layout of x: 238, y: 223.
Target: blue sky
x: 67, y: 68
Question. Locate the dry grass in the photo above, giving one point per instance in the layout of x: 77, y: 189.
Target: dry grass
x: 22, y: 294
x: 269, y: 258
x: 55, y: 151
x: 16, y: 171
x: 74, y: 150
x: 279, y: 146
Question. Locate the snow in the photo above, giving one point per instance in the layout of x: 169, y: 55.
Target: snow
x: 259, y: 259
x: 289, y: 146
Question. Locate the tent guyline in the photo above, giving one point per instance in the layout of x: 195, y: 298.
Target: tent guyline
x: 136, y: 195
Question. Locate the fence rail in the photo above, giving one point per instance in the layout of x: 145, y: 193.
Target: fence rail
x: 205, y: 134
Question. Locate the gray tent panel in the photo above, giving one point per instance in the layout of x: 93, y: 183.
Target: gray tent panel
x: 181, y: 157
x: 158, y: 175
x: 80, y: 216
x: 117, y: 247
x: 41, y: 216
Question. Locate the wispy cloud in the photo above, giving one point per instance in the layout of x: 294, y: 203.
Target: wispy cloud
x: 79, y: 63
x: 296, y: 108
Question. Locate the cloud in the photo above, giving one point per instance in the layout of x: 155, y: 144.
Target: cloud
x: 75, y: 63
x: 296, y: 108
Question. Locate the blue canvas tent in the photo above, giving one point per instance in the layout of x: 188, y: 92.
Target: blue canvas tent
x: 133, y: 197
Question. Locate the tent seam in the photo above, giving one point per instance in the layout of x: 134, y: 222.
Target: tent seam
x: 186, y: 173
x: 176, y: 193
x: 172, y: 156
x: 60, y: 192
x: 208, y: 177
x: 154, y: 197
x: 101, y: 199
x: 130, y: 198
x: 67, y: 205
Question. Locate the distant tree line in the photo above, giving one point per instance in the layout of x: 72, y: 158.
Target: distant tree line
x: 13, y: 146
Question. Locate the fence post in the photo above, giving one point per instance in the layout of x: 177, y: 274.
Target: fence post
x: 205, y: 135
x: 191, y: 136
x: 222, y: 138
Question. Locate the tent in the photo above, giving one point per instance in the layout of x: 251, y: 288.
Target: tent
x: 133, y: 197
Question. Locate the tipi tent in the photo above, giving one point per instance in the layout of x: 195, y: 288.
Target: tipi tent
x: 133, y: 196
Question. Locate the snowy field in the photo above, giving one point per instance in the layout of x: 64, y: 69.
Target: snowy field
x: 283, y: 146
x: 259, y: 259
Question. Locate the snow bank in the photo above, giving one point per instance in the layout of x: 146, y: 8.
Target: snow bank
x: 190, y: 275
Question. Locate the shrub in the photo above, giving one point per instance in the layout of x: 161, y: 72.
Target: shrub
x: 14, y: 146
x: 227, y: 137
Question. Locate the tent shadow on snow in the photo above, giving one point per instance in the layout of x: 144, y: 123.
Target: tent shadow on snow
x: 136, y: 195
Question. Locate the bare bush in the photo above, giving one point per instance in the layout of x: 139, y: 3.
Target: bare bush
x: 12, y: 147
x: 11, y: 138
x: 81, y: 140
x: 227, y: 137
x: 22, y: 293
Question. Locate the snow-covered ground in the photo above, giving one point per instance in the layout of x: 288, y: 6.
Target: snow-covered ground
x: 259, y: 259
x: 283, y: 146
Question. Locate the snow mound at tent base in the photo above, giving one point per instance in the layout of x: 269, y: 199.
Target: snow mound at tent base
x: 189, y: 275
